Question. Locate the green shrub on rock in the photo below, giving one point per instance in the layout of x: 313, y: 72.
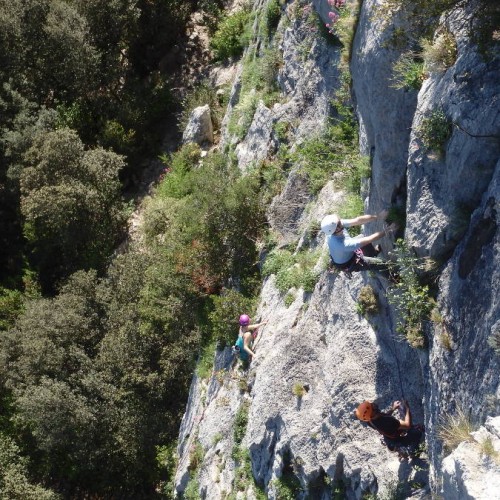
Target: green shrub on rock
x: 231, y: 36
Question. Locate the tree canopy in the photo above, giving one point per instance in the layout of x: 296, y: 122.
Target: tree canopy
x: 97, y: 349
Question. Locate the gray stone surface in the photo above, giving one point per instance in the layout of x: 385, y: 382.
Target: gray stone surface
x: 320, y: 340
x: 199, y: 128
x: 468, y: 375
x: 444, y: 189
x: 255, y: 147
x: 385, y: 114
x: 468, y: 473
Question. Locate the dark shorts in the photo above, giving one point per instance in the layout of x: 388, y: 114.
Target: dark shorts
x: 409, y: 444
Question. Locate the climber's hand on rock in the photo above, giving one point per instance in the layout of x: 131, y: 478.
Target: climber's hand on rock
x: 382, y: 215
x: 396, y: 405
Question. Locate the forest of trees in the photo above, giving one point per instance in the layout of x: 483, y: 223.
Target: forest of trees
x: 96, y: 350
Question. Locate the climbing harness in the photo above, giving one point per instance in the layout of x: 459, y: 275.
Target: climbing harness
x: 355, y: 263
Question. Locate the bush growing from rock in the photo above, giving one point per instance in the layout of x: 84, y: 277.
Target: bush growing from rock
x: 276, y: 261
x: 203, y: 94
x: 367, y: 300
x: 240, y: 423
x: 441, y: 53
x: 454, y: 429
x: 408, y: 72
x: 435, y: 130
x: 292, y: 270
x: 299, y: 389
x: 231, y: 36
x: 487, y: 448
x: 289, y: 299
x: 196, y: 454
x: 411, y: 299
x: 288, y: 486
x: 494, y: 338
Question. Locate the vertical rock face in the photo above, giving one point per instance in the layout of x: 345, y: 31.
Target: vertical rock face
x: 199, y: 128
x: 444, y: 187
x: 317, y: 358
x: 385, y: 114
x: 465, y: 375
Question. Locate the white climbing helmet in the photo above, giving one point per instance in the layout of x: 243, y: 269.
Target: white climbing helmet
x: 329, y: 223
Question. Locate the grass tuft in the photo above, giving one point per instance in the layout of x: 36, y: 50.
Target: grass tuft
x: 455, y: 429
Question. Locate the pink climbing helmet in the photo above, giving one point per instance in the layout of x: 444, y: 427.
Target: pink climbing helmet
x: 244, y: 320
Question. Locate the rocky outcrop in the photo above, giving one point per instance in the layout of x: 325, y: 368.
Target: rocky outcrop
x: 307, y: 78
x: 385, y: 113
x: 199, y: 128
x: 472, y: 471
x: 321, y: 344
x: 446, y: 186
x: 318, y: 357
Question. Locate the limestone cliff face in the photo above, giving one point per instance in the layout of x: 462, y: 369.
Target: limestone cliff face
x: 445, y: 187
x: 319, y: 342
x: 385, y: 114
x: 472, y: 470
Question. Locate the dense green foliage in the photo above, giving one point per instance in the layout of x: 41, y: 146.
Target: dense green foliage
x: 232, y: 35
x: 14, y: 476
x: 273, y: 15
x: 94, y: 360
x: 11, y: 306
x: 90, y: 66
x: 96, y: 373
x: 95, y: 363
x: 212, y: 214
x: 70, y: 200
x: 410, y: 298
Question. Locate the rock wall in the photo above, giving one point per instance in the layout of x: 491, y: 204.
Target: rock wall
x: 385, y: 114
x: 473, y: 469
x: 444, y: 188
x: 319, y: 342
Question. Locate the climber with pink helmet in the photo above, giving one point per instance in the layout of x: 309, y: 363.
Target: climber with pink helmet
x: 246, y: 336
